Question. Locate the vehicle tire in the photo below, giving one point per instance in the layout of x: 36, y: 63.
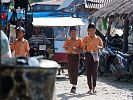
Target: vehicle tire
x: 101, y: 67
x: 100, y: 72
x: 131, y: 68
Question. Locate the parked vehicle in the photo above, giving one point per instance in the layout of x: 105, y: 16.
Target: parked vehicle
x: 38, y: 43
x: 121, y: 65
x: 108, y: 54
x: 106, y: 58
x: 56, y: 31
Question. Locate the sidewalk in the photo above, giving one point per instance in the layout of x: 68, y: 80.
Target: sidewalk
x: 107, y: 89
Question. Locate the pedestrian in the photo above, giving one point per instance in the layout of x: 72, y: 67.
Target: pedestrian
x: 38, y: 43
x: 20, y: 45
x: 73, y: 47
x: 5, y: 48
x: 92, y: 44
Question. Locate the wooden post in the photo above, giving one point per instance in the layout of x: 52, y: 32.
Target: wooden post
x: 125, y: 36
x: 109, y: 28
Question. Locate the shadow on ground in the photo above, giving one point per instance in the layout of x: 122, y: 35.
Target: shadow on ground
x: 68, y: 96
x: 62, y: 78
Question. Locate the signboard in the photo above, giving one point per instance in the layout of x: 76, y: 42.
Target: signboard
x: 42, y: 47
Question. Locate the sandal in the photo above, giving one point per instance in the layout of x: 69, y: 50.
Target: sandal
x: 73, y: 90
x: 89, y: 92
x: 94, y: 90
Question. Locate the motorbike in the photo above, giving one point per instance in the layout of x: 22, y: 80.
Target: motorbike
x: 121, y: 65
x: 38, y: 50
x: 81, y: 64
x: 106, y: 58
x: 108, y: 54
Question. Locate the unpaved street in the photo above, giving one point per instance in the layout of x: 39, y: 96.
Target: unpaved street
x: 107, y: 89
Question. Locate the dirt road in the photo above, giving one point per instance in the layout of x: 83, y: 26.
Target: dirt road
x: 107, y: 89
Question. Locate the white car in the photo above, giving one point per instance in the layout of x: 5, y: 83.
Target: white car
x: 5, y: 48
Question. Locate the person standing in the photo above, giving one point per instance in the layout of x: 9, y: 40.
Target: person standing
x: 73, y: 46
x: 92, y: 44
x: 5, y: 48
x: 20, y: 45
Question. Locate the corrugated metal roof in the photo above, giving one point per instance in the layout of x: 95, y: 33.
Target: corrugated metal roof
x: 97, y: 4
x: 65, y: 4
x: 48, y: 3
x: 88, y: 3
x: 75, y: 3
x: 118, y: 7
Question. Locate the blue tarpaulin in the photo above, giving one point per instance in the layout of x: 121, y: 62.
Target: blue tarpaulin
x: 41, y: 14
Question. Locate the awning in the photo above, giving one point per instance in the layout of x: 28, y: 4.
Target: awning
x: 57, y: 21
